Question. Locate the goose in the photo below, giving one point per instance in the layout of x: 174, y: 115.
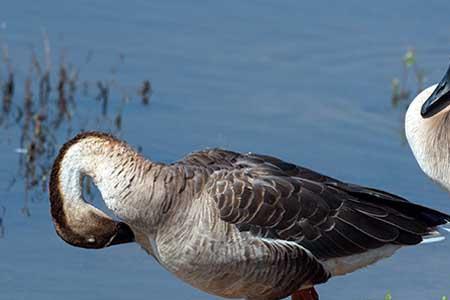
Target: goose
x: 235, y: 225
x: 427, y: 128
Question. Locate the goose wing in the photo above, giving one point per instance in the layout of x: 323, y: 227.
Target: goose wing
x: 274, y: 199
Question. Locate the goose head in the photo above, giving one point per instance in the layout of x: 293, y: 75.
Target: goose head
x: 439, y: 100
x: 76, y: 221
x: 427, y: 128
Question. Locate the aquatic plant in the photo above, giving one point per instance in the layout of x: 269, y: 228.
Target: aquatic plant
x: 52, y: 101
x: 388, y: 296
x: 404, y: 89
x: 401, y: 88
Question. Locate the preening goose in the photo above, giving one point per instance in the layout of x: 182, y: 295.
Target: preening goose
x: 231, y: 224
x: 427, y: 127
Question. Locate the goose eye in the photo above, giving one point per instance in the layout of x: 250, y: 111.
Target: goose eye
x: 91, y: 240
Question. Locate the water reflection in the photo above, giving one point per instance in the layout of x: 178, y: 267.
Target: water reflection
x: 57, y: 101
x: 2, y: 214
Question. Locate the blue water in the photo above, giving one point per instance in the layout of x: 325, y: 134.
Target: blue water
x: 308, y: 82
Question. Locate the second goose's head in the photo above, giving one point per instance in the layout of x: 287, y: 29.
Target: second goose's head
x: 427, y: 127
x: 439, y: 100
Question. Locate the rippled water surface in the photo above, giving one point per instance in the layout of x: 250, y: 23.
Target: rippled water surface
x: 310, y: 83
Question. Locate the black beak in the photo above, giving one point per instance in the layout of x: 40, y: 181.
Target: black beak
x: 440, y: 98
x: 123, y: 235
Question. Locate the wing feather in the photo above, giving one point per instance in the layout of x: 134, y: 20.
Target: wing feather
x: 274, y: 199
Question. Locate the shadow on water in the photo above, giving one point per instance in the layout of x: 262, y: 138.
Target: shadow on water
x: 52, y: 101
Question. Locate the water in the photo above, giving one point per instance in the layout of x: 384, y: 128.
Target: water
x: 307, y: 82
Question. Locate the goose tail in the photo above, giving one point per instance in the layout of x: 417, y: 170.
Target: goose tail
x: 437, y: 235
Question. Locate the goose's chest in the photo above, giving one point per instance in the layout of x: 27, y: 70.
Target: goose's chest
x: 215, y: 266
x: 193, y: 256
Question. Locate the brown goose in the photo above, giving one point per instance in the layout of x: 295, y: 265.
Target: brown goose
x: 234, y: 225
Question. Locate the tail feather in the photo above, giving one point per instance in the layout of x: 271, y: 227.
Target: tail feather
x: 435, y: 224
x: 429, y: 216
x: 445, y: 227
x: 437, y: 235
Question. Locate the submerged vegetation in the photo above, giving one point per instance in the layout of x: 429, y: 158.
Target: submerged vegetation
x: 406, y: 87
x: 410, y: 83
x: 50, y: 102
x: 388, y: 296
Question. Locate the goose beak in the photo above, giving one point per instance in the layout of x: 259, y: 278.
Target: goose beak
x: 440, y: 98
x: 123, y: 235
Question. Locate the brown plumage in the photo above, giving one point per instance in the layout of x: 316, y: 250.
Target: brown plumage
x: 275, y: 199
x: 106, y: 231
x: 232, y: 224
